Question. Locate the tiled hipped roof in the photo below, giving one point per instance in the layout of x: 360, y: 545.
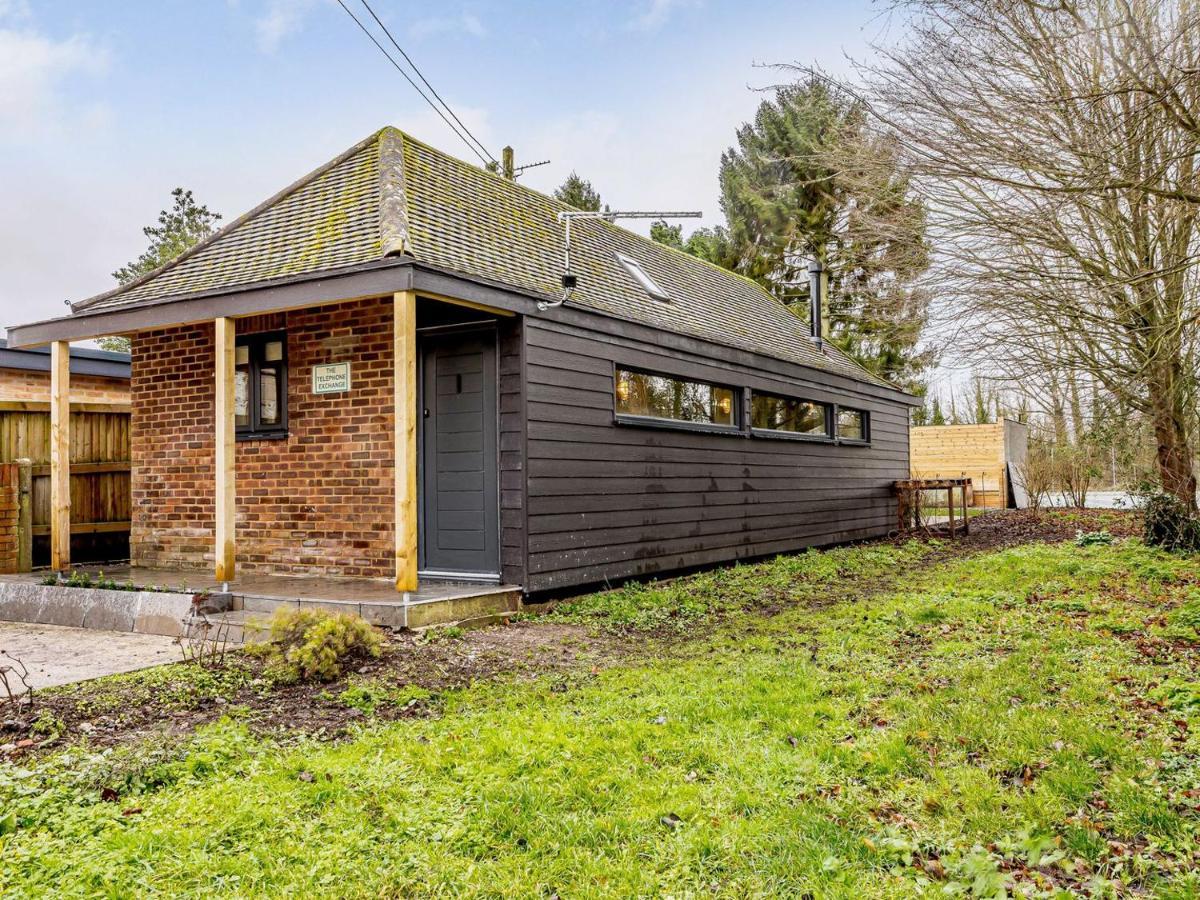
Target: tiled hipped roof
x: 392, y: 195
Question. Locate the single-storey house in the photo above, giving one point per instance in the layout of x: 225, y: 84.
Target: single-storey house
x: 97, y: 376
x: 370, y: 374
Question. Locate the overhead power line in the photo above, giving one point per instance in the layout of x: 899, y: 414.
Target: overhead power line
x: 491, y: 156
x: 482, y: 158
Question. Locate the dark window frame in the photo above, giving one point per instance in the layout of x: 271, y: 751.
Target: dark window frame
x: 778, y: 433
x: 863, y: 441
x: 256, y: 343
x: 736, y: 428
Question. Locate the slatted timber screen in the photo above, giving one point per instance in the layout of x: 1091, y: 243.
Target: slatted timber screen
x: 100, y: 464
x: 963, y: 451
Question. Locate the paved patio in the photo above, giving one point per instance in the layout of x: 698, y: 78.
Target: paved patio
x: 280, y: 587
x: 58, y: 655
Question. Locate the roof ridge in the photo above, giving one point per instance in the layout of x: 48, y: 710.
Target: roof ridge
x: 240, y: 220
x: 496, y: 175
x: 393, y: 196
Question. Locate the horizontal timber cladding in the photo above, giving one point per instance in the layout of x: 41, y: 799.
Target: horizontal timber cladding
x: 608, y: 500
x: 512, y: 452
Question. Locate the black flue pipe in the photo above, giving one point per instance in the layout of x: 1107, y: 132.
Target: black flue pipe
x: 815, y: 270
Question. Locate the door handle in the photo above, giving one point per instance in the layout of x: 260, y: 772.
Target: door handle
x: 426, y: 412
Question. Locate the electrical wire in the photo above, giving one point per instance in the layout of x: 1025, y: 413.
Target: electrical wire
x: 432, y: 89
x: 415, y: 86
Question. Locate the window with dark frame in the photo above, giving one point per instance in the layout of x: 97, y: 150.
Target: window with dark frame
x: 852, y: 425
x: 260, y: 385
x: 769, y: 412
x: 646, y: 395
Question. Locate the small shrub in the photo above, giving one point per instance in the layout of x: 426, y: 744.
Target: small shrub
x: 1101, y: 538
x: 79, y: 579
x: 316, y: 645
x: 1168, y: 523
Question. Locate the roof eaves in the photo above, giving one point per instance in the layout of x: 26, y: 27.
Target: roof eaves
x: 857, y: 372
x: 240, y: 220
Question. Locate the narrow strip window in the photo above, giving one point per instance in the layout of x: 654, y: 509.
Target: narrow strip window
x: 648, y: 395
x: 769, y: 412
x: 852, y: 424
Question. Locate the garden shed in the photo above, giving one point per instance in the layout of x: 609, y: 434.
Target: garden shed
x: 990, y: 454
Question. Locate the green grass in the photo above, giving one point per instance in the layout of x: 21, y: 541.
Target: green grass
x: 1006, y: 721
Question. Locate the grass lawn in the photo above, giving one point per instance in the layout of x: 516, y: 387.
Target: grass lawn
x: 860, y: 723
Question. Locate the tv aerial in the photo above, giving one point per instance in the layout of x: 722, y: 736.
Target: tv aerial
x: 569, y: 279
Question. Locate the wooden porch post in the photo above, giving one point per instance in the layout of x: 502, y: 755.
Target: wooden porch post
x: 225, y: 549
x: 60, y: 456
x: 405, y: 349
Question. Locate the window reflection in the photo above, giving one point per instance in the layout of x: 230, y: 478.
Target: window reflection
x: 665, y: 397
x: 852, y: 425
x: 774, y: 413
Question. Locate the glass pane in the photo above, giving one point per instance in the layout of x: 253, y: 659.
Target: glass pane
x: 850, y: 424
x: 268, y: 397
x: 241, y: 397
x: 242, y: 355
x: 785, y: 414
x: 663, y: 397
x: 273, y: 351
x: 722, y: 406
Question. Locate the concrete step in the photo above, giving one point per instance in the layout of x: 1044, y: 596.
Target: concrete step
x: 414, y: 613
x: 142, y: 612
x: 243, y: 616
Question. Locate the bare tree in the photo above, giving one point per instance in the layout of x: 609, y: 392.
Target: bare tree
x: 1055, y: 144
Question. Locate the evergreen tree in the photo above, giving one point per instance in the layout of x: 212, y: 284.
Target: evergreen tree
x: 936, y: 416
x: 185, y: 224
x: 579, y: 193
x: 179, y: 228
x: 712, y: 244
x: 808, y: 179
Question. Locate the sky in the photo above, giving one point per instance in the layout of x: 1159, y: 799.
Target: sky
x: 107, y: 105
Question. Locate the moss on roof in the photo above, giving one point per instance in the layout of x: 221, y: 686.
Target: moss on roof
x: 392, y: 193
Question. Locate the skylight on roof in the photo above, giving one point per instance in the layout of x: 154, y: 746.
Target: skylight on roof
x: 634, y: 268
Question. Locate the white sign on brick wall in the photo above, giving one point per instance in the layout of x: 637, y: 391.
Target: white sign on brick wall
x: 332, y: 378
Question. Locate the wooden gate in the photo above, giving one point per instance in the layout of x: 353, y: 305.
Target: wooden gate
x: 100, y: 463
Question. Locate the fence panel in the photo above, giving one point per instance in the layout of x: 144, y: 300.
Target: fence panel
x: 100, y: 467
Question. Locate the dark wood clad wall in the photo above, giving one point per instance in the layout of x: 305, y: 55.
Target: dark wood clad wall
x: 608, y: 501
x: 512, y: 452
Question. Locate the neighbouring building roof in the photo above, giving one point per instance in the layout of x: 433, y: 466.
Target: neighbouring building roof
x: 393, y: 196
x: 103, y: 363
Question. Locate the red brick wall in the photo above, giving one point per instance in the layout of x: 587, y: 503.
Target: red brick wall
x: 9, y: 500
x: 23, y: 384
x: 319, y: 502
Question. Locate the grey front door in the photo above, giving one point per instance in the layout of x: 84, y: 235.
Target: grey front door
x: 460, y: 531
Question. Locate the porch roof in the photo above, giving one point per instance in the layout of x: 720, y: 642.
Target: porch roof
x: 391, y: 200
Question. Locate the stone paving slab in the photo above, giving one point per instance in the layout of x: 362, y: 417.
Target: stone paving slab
x: 56, y: 654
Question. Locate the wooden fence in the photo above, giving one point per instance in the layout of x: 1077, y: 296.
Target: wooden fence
x: 987, y: 454
x: 100, y: 464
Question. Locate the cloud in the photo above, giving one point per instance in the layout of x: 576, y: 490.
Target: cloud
x: 15, y: 10
x: 657, y: 13
x: 463, y: 23
x: 34, y: 70
x: 280, y: 19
